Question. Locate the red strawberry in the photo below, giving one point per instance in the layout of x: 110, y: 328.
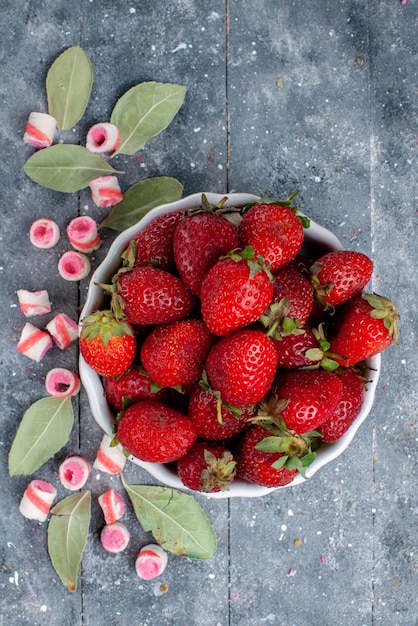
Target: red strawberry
x: 154, y: 432
x: 235, y: 292
x: 291, y: 283
x: 174, y: 355
x: 199, y: 241
x: 132, y: 385
x: 154, y: 244
x: 365, y: 326
x: 348, y: 407
x: 108, y: 345
x: 339, y: 275
x: 305, y: 398
x: 213, y: 420
x: 257, y: 466
x: 305, y: 348
x: 148, y: 295
x: 274, y: 232
x: 291, y: 350
x: 207, y: 467
x: 242, y: 366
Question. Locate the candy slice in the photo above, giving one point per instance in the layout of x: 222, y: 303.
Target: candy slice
x: 33, y: 302
x: 83, y: 235
x: 44, y: 233
x: 112, y: 505
x: 60, y: 383
x: 110, y: 459
x: 105, y: 191
x: 40, y: 130
x: 74, y: 472
x: 115, y: 537
x: 34, y: 343
x: 63, y: 330
x: 74, y: 266
x: 103, y: 138
x: 37, y: 500
x: 151, y: 561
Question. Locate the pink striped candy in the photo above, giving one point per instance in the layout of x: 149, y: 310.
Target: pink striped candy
x: 83, y: 235
x: 40, y: 130
x: 37, y: 500
x: 112, y: 505
x: 103, y: 138
x: 33, y: 303
x: 109, y: 459
x: 34, y: 343
x: 105, y: 191
x: 63, y: 330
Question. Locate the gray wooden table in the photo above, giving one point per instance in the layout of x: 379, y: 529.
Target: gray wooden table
x: 317, y: 96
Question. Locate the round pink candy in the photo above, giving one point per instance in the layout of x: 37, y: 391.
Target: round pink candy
x: 60, y: 383
x: 115, y: 537
x: 74, y: 472
x: 74, y: 266
x: 151, y: 561
x: 44, y: 233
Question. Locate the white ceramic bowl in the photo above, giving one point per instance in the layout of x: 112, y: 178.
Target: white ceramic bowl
x: 315, y: 236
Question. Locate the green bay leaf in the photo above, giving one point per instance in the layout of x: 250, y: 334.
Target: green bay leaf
x: 143, y: 112
x: 66, y: 167
x: 141, y: 198
x: 176, y: 520
x: 68, y: 86
x: 44, y: 429
x: 67, y: 536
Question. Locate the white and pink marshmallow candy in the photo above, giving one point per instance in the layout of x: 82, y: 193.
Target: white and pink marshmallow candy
x: 151, y: 561
x: 74, y: 265
x: 34, y: 342
x: 63, y: 330
x: 40, y: 130
x: 109, y: 459
x: 115, y: 537
x: 112, y: 505
x: 44, y: 233
x: 33, y: 303
x: 105, y: 191
x: 74, y: 472
x: 62, y: 383
x: 37, y: 500
x: 103, y: 137
x: 83, y: 234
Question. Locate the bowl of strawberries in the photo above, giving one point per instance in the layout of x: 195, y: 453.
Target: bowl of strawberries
x: 230, y: 345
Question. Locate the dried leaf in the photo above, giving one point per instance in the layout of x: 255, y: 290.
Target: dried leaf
x: 141, y: 198
x: 45, y: 428
x: 68, y: 86
x: 176, y: 520
x: 66, y: 168
x: 143, y: 112
x: 67, y: 536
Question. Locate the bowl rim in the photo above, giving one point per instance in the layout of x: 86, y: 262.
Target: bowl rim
x: 92, y: 382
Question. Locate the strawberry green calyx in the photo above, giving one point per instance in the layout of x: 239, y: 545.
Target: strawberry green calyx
x: 321, y: 355
x: 298, y: 451
x: 105, y: 325
x: 384, y: 309
x: 278, y: 323
x: 255, y: 263
x: 219, y: 471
